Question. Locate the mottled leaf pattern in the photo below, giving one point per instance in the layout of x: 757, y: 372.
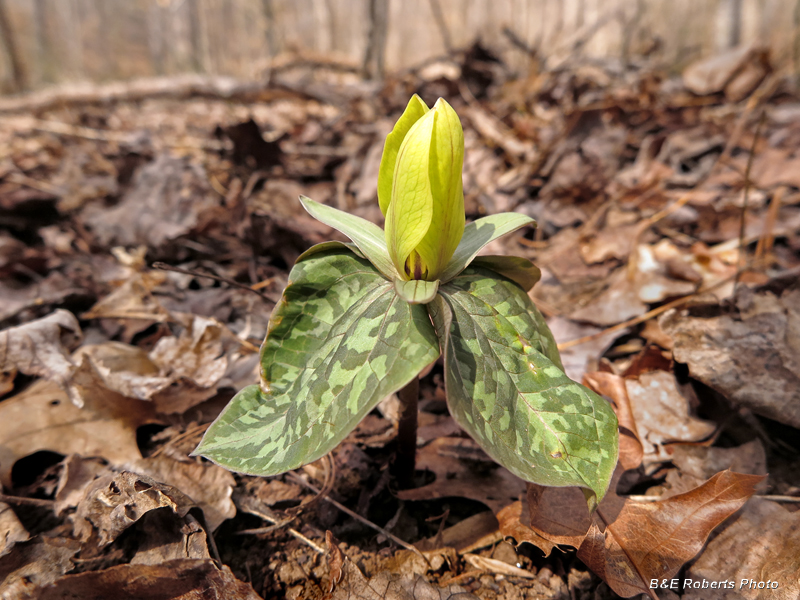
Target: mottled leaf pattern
x: 339, y: 341
x: 506, y: 387
x: 519, y: 270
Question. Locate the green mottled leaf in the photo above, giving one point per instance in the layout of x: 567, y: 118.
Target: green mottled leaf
x: 479, y: 233
x: 338, y: 342
x: 365, y: 234
x: 414, y: 111
x: 519, y: 270
x: 506, y: 388
x: 416, y: 291
x: 325, y: 246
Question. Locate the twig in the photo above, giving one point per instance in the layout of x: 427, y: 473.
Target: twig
x: 30, y: 501
x: 741, y: 260
x: 779, y: 498
x: 193, y: 273
x: 767, y: 237
x: 519, y: 42
x: 180, y: 437
x: 277, y: 524
x: 641, y: 318
x: 357, y: 517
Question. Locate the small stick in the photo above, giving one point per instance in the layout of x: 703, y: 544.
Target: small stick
x: 641, y: 318
x: 30, y: 501
x: 231, y: 282
x: 741, y: 260
x: 358, y: 517
x: 767, y: 238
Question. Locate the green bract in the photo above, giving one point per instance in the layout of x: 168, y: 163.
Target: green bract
x: 359, y: 321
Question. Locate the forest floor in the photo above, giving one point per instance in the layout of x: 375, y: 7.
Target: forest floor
x: 146, y: 235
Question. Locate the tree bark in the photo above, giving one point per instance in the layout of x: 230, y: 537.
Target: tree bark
x: 18, y: 72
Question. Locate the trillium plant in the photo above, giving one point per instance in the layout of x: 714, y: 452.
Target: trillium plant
x: 359, y: 321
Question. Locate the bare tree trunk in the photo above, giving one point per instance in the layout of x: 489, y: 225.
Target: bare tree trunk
x: 44, y: 45
x: 196, y: 37
x: 729, y: 14
x: 107, y: 25
x: 797, y: 38
x: 269, y: 30
x: 374, y: 58
x: 441, y: 23
x: 156, y: 23
x: 18, y: 72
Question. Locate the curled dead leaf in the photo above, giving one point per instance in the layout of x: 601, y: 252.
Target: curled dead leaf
x: 11, y: 530
x: 114, y: 502
x: 613, y: 386
x: 514, y: 522
x: 662, y: 415
x: 39, y: 348
x: 676, y: 530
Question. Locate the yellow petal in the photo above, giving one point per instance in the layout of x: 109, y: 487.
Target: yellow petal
x: 444, y: 170
x: 408, y: 217
x: 414, y: 111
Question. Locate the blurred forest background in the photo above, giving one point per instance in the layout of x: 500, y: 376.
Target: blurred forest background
x: 56, y: 41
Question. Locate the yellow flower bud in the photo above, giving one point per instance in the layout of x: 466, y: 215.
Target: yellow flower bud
x: 420, y: 190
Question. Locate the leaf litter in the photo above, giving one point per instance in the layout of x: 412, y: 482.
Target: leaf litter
x: 112, y: 369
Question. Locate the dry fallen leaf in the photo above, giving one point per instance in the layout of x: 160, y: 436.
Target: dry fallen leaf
x: 182, y: 579
x: 695, y: 464
x: 11, y: 530
x: 194, y: 360
x: 34, y: 564
x: 653, y: 540
x: 662, y: 415
x: 453, y: 461
x: 498, y: 567
x: 753, y: 357
x: 207, y: 484
x: 618, y: 302
x: 477, y: 531
x: 114, y: 502
x: 613, y: 386
x: 39, y: 348
x: 514, y: 522
x: 763, y: 544
x: 579, y: 359
x: 43, y: 418
x: 75, y: 476
x: 165, y: 201
x: 179, y: 373
x: 723, y: 71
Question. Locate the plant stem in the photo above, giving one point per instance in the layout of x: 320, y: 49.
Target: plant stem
x: 405, y: 459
